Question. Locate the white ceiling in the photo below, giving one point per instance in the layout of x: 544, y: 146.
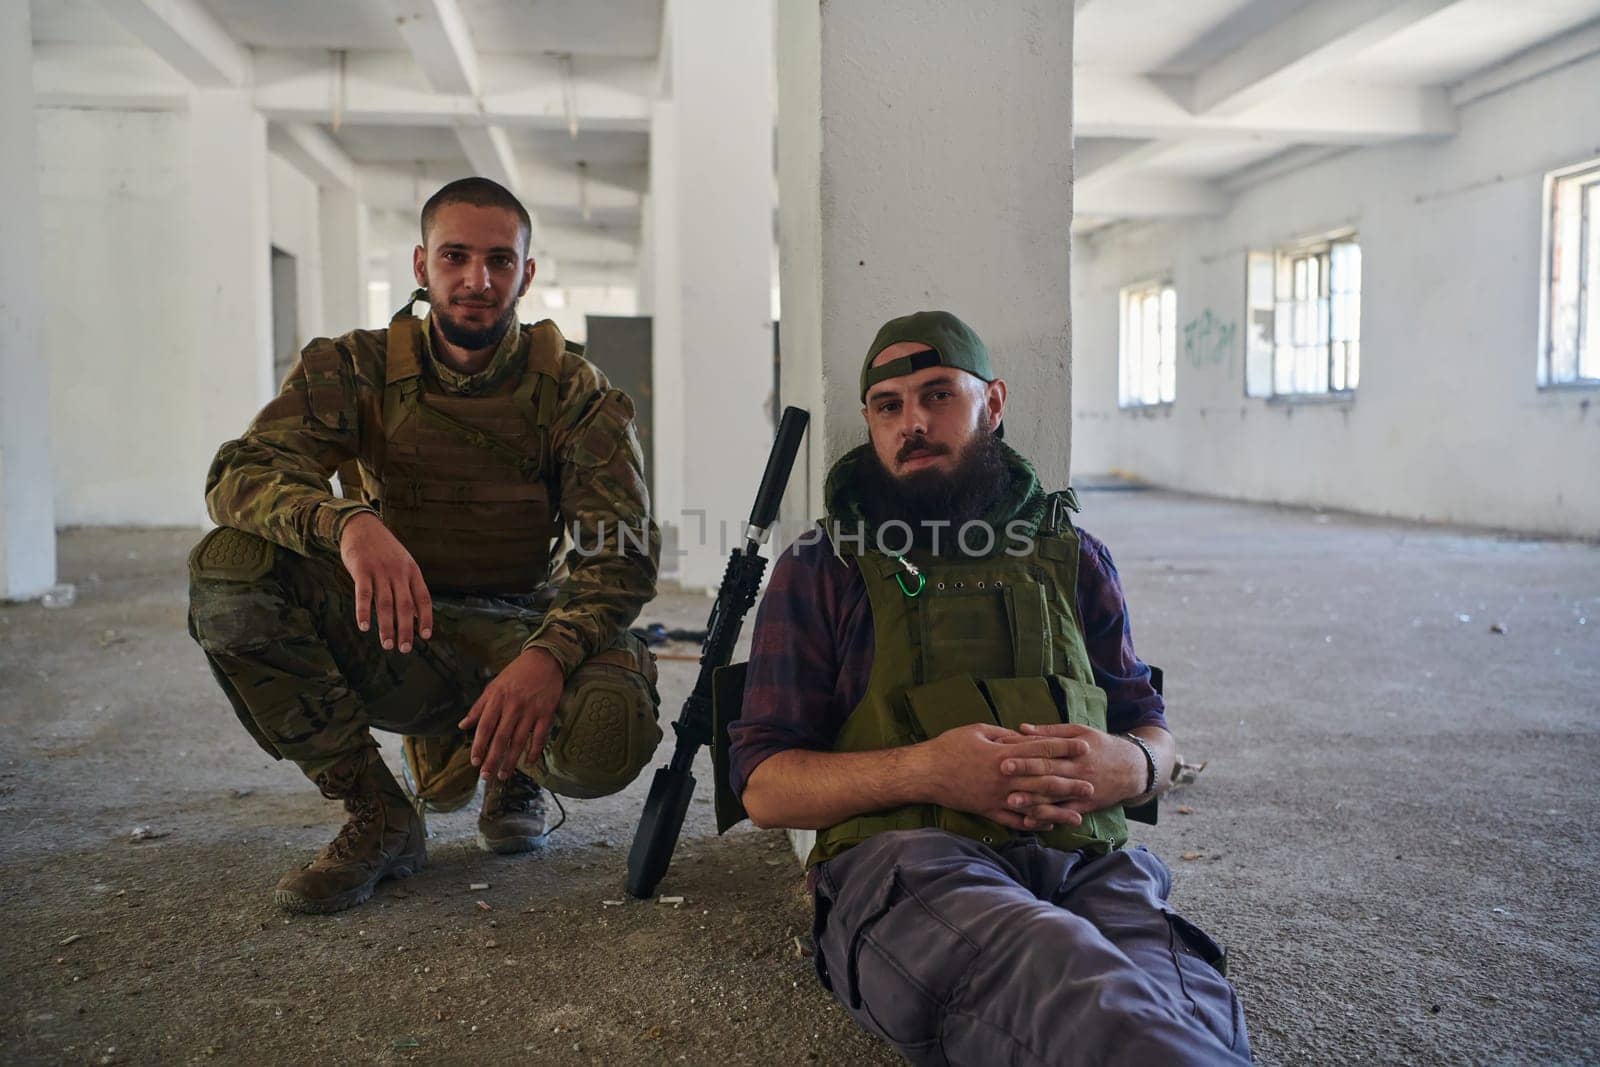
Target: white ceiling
x: 1178, y: 102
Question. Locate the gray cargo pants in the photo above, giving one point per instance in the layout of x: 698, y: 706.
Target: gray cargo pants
x: 955, y: 952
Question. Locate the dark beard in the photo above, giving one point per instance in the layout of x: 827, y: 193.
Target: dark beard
x: 979, y: 481
x: 473, y: 340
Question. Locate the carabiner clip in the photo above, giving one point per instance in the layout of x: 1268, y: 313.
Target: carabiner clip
x: 911, y: 569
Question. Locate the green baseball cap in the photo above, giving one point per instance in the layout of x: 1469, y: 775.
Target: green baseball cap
x: 952, y: 342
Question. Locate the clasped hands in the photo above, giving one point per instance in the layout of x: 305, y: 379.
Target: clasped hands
x: 511, y: 719
x: 1035, y: 778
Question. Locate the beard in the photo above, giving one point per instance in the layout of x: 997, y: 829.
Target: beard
x: 980, y: 479
x: 469, y: 338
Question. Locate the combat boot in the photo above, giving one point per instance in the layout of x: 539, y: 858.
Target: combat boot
x: 513, y: 817
x: 384, y: 838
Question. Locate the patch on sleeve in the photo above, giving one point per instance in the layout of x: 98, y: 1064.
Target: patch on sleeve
x: 330, y: 386
x: 611, y: 423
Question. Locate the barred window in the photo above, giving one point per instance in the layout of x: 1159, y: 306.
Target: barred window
x: 1569, y: 349
x: 1149, y: 363
x: 1304, y: 317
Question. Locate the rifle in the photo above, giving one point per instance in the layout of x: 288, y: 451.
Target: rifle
x: 673, y: 785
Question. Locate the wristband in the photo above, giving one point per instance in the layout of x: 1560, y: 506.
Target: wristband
x: 1149, y: 762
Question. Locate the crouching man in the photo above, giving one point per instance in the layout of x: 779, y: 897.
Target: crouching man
x: 426, y: 606
x: 945, y: 688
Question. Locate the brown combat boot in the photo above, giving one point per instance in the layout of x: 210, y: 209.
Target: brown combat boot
x: 513, y: 817
x: 384, y: 838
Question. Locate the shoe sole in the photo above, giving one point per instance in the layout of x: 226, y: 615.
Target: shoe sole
x: 299, y: 905
x: 507, y: 846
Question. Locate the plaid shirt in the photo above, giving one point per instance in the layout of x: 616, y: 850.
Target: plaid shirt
x: 811, y: 653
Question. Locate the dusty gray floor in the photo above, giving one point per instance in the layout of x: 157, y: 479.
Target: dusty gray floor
x: 1396, y: 832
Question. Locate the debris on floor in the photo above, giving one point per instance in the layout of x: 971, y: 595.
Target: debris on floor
x: 1184, y: 772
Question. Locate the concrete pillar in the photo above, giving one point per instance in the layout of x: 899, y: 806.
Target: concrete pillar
x: 925, y: 161
x: 719, y: 349
x: 343, y: 222
x: 666, y: 332
x: 232, y: 262
x: 397, y: 236
x: 27, y: 482
x: 644, y: 277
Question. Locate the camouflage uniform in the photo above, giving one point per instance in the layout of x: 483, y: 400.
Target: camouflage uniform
x: 274, y: 609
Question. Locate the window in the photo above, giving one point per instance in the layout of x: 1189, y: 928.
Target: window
x: 1569, y: 346
x: 1304, y: 319
x: 1149, y: 367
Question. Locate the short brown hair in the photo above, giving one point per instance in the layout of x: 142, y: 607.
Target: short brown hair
x: 479, y: 192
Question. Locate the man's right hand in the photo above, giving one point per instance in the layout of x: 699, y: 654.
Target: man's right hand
x: 961, y: 768
x: 385, y: 575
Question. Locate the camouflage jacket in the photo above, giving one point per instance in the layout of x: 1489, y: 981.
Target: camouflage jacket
x: 275, y: 480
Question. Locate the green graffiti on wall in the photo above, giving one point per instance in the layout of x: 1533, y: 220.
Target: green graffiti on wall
x: 1210, y: 342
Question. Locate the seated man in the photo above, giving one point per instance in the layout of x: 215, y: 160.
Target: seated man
x: 945, y: 688
x: 473, y: 445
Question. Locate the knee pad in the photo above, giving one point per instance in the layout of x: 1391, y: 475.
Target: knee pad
x: 229, y: 609
x: 231, y: 555
x: 606, y: 725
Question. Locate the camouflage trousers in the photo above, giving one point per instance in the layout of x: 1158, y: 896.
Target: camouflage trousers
x: 279, y: 632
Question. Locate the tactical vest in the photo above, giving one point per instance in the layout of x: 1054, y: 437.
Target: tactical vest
x: 467, y: 482
x: 960, y: 640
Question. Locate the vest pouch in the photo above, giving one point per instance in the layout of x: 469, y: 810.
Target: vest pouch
x: 1080, y: 702
x: 1085, y: 705
x: 1020, y: 700
x: 945, y: 705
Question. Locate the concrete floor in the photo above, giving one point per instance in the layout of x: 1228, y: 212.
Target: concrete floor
x: 1396, y: 832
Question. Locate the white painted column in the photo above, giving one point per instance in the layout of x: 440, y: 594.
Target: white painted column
x: 343, y: 220
x: 721, y: 64
x: 231, y: 260
x: 27, y: 480
x: 666, y: 332
x: 397, y: 236
x: 644, y: 277
x: 925, y: 161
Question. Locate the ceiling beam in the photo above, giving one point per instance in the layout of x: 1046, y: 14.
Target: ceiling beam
x: 187, y: 36
x: 545, y: 186
x: 1103, y: 159
x: 1139, y: 106
x: 383, y: 89
x: 489, y: 151
x: 313, y: 153
x: 436, y: 33
x: 114, y: 77
x: 1309, y: 43
x: 1136, y: 197
x: 1574, y: 46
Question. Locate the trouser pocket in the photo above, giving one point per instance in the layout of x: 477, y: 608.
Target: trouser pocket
x: 893, y: 961
x: 1202, y: 964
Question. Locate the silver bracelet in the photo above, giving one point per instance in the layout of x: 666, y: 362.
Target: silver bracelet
x: 1149, y: 762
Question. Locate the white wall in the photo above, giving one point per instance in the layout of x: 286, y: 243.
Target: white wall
x: 120, y: 299
x: 296, y: 227
x: 1447, y: 424
x: 27, y: 498
x: 114, y: 193
x: 581, y: 302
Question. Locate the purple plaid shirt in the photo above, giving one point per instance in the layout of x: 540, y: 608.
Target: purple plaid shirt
x: 811, y: 653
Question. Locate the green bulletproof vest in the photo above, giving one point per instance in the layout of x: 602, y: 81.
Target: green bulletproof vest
x: 467, y: 482
x: 994, y: 639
